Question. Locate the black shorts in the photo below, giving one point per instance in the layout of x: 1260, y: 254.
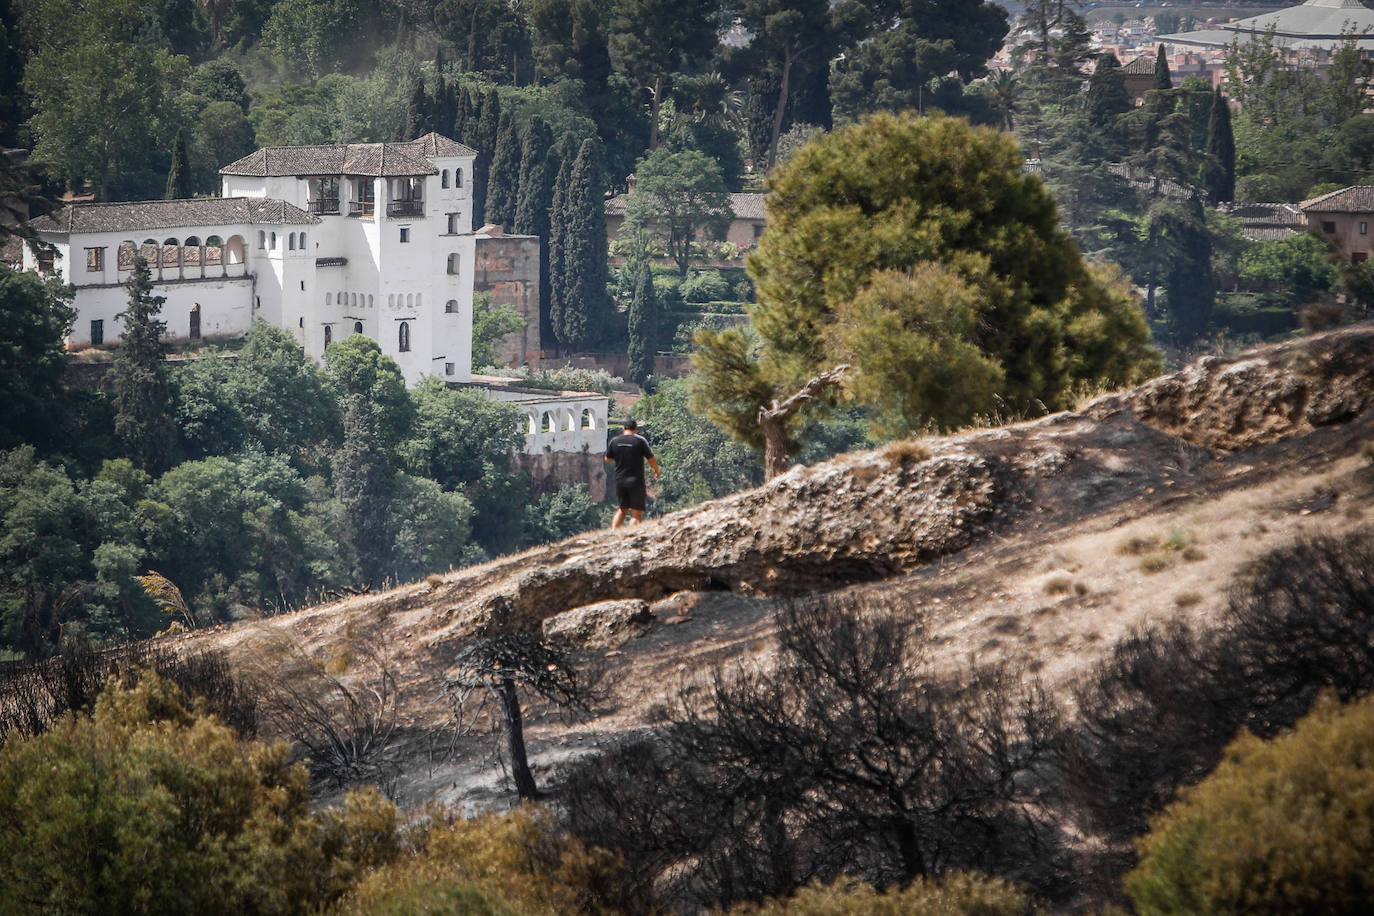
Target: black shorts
x: 630, y: 496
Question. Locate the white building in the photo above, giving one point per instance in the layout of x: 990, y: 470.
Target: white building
x: 324, y: 241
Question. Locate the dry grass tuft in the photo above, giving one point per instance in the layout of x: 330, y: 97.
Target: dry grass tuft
x: 1136, y: 545
x: 1061, y: 585
x: 434, y: 580
x: 906, y: 451
x: 1192, y: 554
x: 1155, y: 563
x: 1187, y: 599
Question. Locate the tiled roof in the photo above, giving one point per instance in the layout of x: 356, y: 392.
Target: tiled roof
x: 170, y: 214
x: 1359, y: 199
x: 1265, y: 214
x: 432, y: 144
x: 383, y: 160
x: 744, y: 206
x: 1145, y: 63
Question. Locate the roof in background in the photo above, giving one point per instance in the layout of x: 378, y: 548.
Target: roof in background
x: 172, y: 214
x: 1316, y: 24
x: 382, y: 160
x: 743, y: 205
x: 1357, y: 199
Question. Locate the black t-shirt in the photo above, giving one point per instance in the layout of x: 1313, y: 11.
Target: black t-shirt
x: 629, y: 451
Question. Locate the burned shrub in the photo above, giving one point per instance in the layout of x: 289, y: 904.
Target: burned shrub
x: 35, y: 694
x: 848, y: 757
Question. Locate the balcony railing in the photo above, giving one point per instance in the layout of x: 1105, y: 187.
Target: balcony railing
x: 405, y: 208
x: 325, y: 206
x: 360, y: 208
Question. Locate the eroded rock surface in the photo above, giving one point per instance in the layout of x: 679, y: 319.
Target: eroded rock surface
x: 604, y: 625
x: 882, y: 513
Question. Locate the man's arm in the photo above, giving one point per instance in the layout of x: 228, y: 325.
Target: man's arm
x: 653, y: 463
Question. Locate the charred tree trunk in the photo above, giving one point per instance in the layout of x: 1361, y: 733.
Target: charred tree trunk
x: 515, y: 740
x: 773, y: 420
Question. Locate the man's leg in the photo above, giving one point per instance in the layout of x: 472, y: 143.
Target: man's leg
x: 617, y: 518
x: 636, y: 515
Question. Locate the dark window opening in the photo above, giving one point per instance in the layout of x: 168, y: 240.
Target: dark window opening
x: 95, y: 258
x: 97, y: 332
x: 328, y: 335
x: 1328, y: 228
x: 195, y: 322
x: 357, y: 327
x: 405, y: 234
x: 403, y: 337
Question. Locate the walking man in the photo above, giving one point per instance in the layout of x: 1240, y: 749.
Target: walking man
x: 627, y: 452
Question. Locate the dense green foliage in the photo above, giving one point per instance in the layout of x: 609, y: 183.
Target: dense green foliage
x: 141, y: 378
x: 36, y: 315
x: 150, y: 806
x: 1281, y: 826
x: 917, y: 250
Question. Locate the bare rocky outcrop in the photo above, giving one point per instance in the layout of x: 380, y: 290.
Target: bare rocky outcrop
x: 883, y: 513
x: 1259, y: 396
x: 604, y: 625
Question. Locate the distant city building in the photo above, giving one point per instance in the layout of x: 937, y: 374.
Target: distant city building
x: 1343, y: 218
x: 1317, y: 25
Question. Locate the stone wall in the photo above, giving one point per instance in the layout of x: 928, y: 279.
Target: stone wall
x: 507, y: 267
x: 551, y: 471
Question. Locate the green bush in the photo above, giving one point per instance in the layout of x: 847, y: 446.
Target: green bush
x: 150, y: 806
x: 955, y: 895
x: 1281, y: 826
x: 499, y: 864
x: 705, y: 286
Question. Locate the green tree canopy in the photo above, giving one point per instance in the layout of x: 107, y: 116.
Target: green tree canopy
x: 678, y: 196
x: 36, y: 315
x: 579, y: 295
x: 888, y: 219
x: 652, y: 39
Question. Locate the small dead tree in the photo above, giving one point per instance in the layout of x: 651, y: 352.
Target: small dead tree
x: 491, y: 672
x: 773, y: 420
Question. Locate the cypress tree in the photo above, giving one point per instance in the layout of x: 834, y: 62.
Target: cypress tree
x: 364, y: 481
x: 1106, y: 98
x: 417, y: 114
x: 1164, y: 81
x: 538, y: 172
x: 1221, y: 151
x: 644, y: 320
x: 485, y: 125
x: 179, y: 176
x: 503, y: 181
x: 558, y: 232
x: 457, y: 128
x: 143, y: 392
x: 584, y: 312
x: 534, y: 209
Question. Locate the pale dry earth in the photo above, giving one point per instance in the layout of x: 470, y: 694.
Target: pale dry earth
x: 1040, y: 543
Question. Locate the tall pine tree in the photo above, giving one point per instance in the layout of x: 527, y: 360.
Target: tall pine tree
x: 179, y: 175
x: 364, y: 481
x: 644, y: 320
x: 582, y: 316
x: 1221, y: 151
x: 1164, y: 80
x: 143, y: 391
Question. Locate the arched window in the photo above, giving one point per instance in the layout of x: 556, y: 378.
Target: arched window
x: 569, y: 421
x: 403, y: 337
x: 546, y: 423
x: 529, y: 425
x: 457, y: 178
x: 272, y: 241
x: 443, y: 178
x: 454, y: 263
x: 391, y: 300
x: 369, y: 300
x: 451, y: 307
x: 410, y: 300
x: 328, y: 298
x: 195, y: 322
x: 262, y: 238
x: 588, y: 420
x: 418, y: 297
x: 302, y: 241
x: 357, y: 327
x: 214, y: 250
x: 291, y: 241
x: 190, y: 251
x: 352, y: 299
x: 328, y: 335
x: 233, y: 250
x: 125, y: 255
